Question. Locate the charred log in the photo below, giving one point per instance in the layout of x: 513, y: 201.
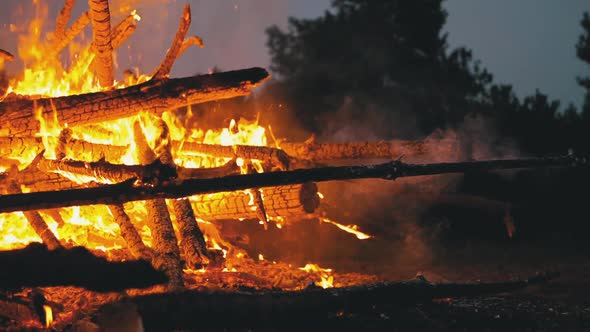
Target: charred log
x: 36, y: 266
x: 193, y: 309
x: 59, y: 43
x: 5, y: 55
x: 155, y: 96
x: 128, y: 232
x: 126, y: 191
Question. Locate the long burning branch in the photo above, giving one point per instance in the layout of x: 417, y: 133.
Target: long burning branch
x: 155, y: 96
x: 127, y: 191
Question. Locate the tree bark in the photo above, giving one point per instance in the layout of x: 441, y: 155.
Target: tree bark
x: 155, y: 96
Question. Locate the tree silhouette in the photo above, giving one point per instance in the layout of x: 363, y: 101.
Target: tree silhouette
x: 387, y: 54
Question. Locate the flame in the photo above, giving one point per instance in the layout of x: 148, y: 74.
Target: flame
x: 352, y: 229
x: 48, y: 315
x: 326, y: 279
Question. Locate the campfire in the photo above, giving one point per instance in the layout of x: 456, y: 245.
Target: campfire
x: 109, y: 186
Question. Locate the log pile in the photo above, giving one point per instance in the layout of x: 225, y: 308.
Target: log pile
x: 86, y: 173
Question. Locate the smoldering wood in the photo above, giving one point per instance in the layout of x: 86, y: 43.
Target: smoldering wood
x: 100, y: 16
x: 192, y: 243
x: 37, y: 266
x: 271, y: 309
x: 63, y: 18
x: 119, y: 34
x: 127, y: 192
x: 155, y: 96
x: 175, y: 49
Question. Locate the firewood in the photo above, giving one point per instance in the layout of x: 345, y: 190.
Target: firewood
x: 127, y: 192
x: 263, y: 153
x: 155, y: 96
x: 129, y: 233
x: 5, y: 55
x: 100, y: 17
x: 190, y: 41
x: 270, y: 309
x: 36, y: 266
x: 123, y: 30
x: 164, y: 240
x: 192, y: 243
x: 174, y: 51
x: 357, y: 150
x: 58, y: 44
x: 286, y: 201
x: 63, y: 18
x: 36, y: 221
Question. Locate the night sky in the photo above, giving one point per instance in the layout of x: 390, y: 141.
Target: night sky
x: 526, y: 43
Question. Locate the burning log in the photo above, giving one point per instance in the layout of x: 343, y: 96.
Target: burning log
x: 155, y: 96
x: 58, y: 44
x: 286, y: 201
x: 128, y: 232
x: 63, y: 18
x: 164, y: 240
x: 127, y: 192
x: 194, y: 309
x: 249, y: 152
x: 100, y: 16
x: 36, y: 220
x: 36, y: 266
x: 174, y: 51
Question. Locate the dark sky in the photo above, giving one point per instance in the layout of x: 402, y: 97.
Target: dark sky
x: 527, y: 43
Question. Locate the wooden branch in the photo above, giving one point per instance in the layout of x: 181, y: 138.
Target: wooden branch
x: 359, y: 150
x: 126, y: 192
x: 35, y: 219
x: 7, y: 56
x: 190, y: 41
x: 36, y: 266
x: 129, y: 233
x: 58, y: 44
x: 63, y: 18
x: 124, y: 29
x: 249, y: 152
x: 298, y: 309
x: 100, y: 16
x: 155, y: 96
x: 174, y: 51
x: 164, y: 241
x: 104, y: 172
